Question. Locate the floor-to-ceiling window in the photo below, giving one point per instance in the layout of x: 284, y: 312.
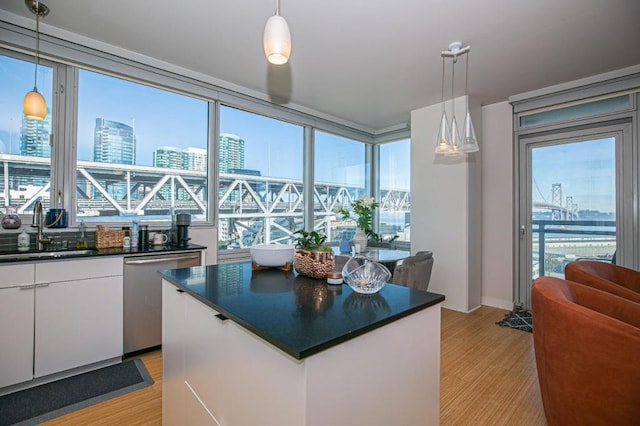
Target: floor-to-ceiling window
x: 394, y: 176
x: 141, y: 151
x: 576, y: 184
x: 341, y: 175
x: 129, y: 140
x: 260, y: 165
x: 25, y: 146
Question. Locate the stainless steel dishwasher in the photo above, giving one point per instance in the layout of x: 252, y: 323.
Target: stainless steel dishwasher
x: 143, y: 297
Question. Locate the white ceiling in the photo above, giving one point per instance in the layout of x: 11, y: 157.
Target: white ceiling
x: 365, y: 61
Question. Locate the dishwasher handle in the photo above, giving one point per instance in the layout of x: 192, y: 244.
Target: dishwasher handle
x: 161, y: 259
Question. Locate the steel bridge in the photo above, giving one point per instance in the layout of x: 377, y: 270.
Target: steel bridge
x: 559, y: 212
x: 257, y: 207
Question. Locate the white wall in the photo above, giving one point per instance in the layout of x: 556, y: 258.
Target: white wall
x: 497, y: 202
x: 206, y: 236
x: 445, y: 210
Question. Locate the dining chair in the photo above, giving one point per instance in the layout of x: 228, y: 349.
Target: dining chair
x: 339, y: 261
x: 614, y: 279
x: 379, y: 244
x: 415, y: 271
x: 587, y: 347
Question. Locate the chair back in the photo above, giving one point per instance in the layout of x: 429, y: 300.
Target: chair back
x: 614, y: 279
x: 339, y: 261
x: 379, y: 244
x: 587, y: 347
x: 415, y: 271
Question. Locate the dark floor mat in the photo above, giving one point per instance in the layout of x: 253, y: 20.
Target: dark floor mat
x: 50, y: 400
x: 519, y: 319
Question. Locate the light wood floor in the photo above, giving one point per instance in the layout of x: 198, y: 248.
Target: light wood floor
x: 488, y: 377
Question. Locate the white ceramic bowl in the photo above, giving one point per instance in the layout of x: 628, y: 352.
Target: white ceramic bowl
x: 272, y: 255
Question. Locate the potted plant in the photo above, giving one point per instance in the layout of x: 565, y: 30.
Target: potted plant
x: 312, y: 258
x: 363, y: 215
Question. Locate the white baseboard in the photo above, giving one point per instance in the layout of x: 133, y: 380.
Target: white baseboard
x: 498, y: 303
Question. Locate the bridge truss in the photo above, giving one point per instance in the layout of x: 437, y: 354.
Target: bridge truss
x: 251, y: 209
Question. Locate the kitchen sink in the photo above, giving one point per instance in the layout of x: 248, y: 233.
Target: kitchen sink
x: 46, y: 254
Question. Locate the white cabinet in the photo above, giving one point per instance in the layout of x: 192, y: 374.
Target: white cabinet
x: 217, y: 372
x: 185, y: 355
x: 173, y: 325
x: 79, y: 313
x: 16, y: 323
x: 59, y: 315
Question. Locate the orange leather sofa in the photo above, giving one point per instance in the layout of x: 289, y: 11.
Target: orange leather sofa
x: 587, y: 349
x: 614, y: 279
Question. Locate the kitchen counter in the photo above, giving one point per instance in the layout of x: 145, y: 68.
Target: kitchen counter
x: 271, y: 347
x: 58, y: 254
x: 299, y: 315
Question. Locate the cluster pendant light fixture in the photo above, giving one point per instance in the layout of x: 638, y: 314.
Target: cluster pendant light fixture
x: 34, y: 105
x: 277, y: 39
x: 449, y: 141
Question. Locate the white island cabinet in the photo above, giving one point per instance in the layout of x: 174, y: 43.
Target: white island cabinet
x: 218, y: 372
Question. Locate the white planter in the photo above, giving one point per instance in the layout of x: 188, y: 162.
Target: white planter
x: 360, y: 238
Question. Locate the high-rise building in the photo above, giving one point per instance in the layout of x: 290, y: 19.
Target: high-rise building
x: 34, y: 136
x: 114, y: 142
x: 231, y: 153
x: 34, y: 142
x: 168, y: 157
x: 195, y: 159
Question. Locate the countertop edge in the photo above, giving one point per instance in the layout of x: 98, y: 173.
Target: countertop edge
x: 300, y: 355
x: 99, y: 253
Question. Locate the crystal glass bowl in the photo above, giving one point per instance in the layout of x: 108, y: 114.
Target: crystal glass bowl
x: 364, y: 275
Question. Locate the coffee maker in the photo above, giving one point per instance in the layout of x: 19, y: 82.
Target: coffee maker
x: 183, y: 221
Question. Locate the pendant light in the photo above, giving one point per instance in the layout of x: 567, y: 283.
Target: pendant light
x: 34, y: 105
x: 277, y: 39
x: 454, y: 150
x: 443, y: 144
x: 469, y: 142
x: 449, y: 142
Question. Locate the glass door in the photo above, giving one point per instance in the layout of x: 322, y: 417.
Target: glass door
x: 572, y: 192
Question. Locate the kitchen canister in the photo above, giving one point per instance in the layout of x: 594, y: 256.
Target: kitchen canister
x: 23, y: 241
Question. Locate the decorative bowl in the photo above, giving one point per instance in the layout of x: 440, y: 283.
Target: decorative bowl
x: 314, y: 264
x: 364, y: 275
x: 272, y: 255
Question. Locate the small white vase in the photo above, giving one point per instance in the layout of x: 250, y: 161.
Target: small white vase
x: 361, y: 239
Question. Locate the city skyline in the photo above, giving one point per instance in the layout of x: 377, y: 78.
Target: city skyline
x: 163, y: 118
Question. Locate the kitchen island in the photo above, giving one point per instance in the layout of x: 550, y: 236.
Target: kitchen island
x: 269, y: 347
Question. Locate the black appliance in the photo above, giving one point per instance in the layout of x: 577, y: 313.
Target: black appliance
x: 183, y: 221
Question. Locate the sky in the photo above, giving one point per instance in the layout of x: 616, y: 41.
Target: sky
x: 163, y: 118
x: 586, y: 170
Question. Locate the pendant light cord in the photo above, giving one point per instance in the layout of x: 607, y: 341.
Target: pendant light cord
x: 466, y: 75
x: 443, y: 85
x: 277, y: 7
x: 35, y: 73
x: 453, y: 78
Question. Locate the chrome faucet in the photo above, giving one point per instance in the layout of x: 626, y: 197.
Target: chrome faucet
x: 38, y: 222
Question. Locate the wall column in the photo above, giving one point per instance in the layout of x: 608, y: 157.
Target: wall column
x: 446, y: 208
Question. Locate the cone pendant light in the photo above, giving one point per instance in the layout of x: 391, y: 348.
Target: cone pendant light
x: 469, y: 141
x: 443, y: 143
x: 450, y: 142
x: 455, y: 134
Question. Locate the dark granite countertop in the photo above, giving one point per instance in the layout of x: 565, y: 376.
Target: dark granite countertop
x: 71, y: 253
x: 299, y: 315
